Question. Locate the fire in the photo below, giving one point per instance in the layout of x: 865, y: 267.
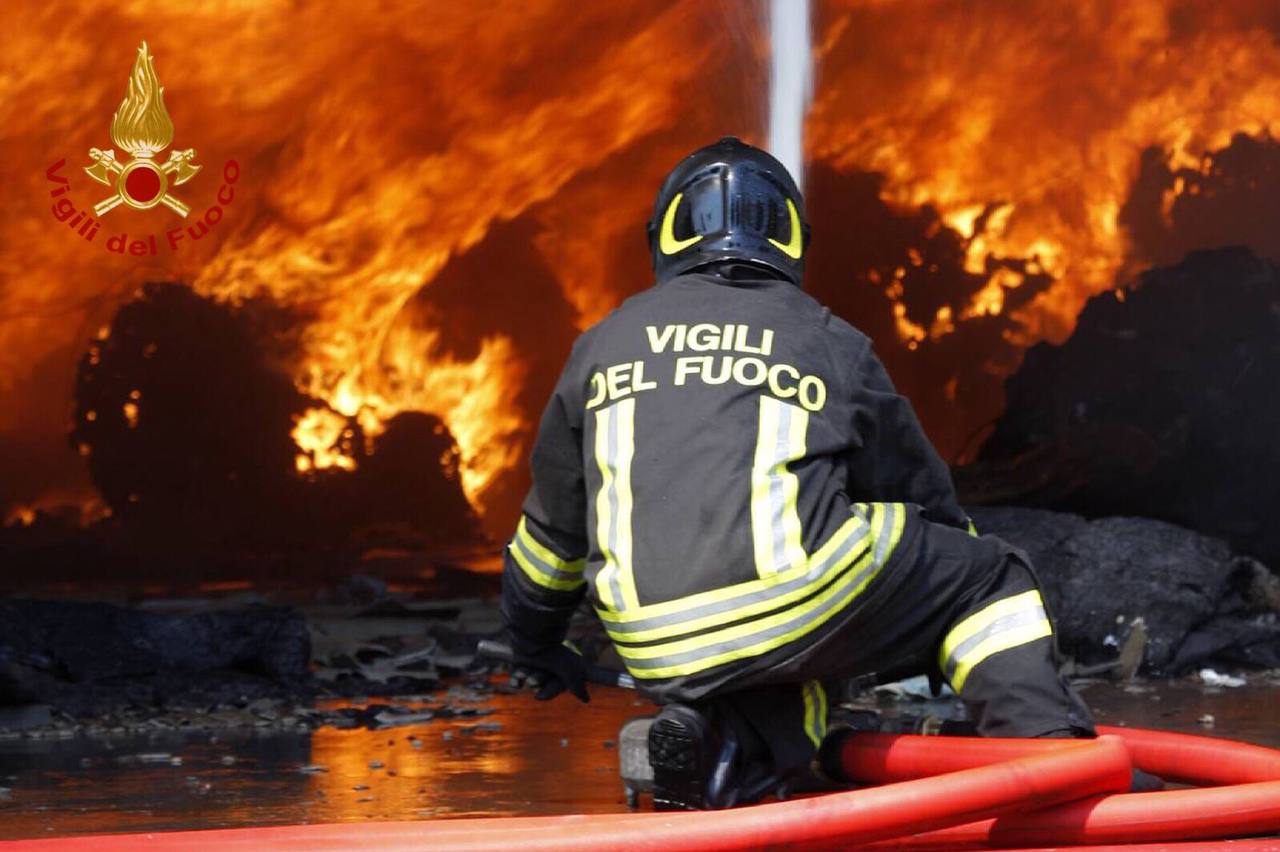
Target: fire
x: 1041, y: 109
x: 318, y: 434
x: 990, y: 299
x: 376, y: 149
x: 23, y: 515
x: 57, y: 504
x: 377, y: 152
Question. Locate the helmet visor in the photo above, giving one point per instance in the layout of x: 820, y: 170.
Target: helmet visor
x: 742, y: 202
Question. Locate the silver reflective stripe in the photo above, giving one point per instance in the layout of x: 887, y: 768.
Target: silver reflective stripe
x: 777, y: 492
x: 800, y: 624
x: 848, y: 551
x: 615, y: 428
x: 775, y: 519
x: 611, y: 459
x: 1030, y: 615
x: 541, y: 564
x: 884, y: 545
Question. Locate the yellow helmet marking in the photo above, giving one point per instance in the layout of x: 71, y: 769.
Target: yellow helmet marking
x: 667, y: 241
x: 795, y: 246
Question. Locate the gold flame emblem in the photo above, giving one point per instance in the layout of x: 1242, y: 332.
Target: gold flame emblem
x: 142, y: 127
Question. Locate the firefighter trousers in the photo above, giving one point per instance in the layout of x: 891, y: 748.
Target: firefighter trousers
x: 957, y: 607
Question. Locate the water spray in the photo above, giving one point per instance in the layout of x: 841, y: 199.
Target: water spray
x: 790, y: 83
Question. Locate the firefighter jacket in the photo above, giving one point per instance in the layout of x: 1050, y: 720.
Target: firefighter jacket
x: 721, y: 469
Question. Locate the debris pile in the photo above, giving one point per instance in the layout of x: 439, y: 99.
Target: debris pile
x: 81, y: 657
x: 1197, y: 601
x: 202, y: 664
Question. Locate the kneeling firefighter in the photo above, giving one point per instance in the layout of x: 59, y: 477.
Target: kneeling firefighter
x: 727, y: 471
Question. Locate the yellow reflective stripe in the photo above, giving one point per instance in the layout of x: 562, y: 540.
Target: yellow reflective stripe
x: 738, y: 652
x: 973, y: 531
x: 815, y: 712
x: 541, y: 565
x: 746, y: 590
x: 614, y: 450
x: 810, y: 615
x: 693, y: 643
x: 984, y: 618
x: 752, y: 650
x: 667, y: 241
x: 534, y: 573
x: 604, y: 512
x: 1004, y: 624
x: 794, y: 246
x: 761, y: 518
x: 794, y: 544
x: 775, y: 519
x: 572, y: 566
x: 1001, y: 641
x: 626, y: 430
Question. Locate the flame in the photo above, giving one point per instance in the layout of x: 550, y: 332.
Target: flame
x: 131, y: 410
x: 361, y: 247
x: 61, y: 504
x: 911, y: 333
x: 318, y: 433
x: 141, y: 124
x: 21, y: 515
x: 989, y: 301
x: 1042, y: 109
x: 377, y: 151
x: 471, y: 397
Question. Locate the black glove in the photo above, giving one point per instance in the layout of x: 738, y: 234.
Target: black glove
x: 552, y: 671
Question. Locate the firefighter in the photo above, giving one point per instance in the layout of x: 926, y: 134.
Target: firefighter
x: 725, y: 470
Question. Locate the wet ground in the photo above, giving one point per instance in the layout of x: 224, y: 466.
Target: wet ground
x: 523, y: 758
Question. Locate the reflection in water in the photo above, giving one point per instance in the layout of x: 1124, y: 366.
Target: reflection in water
x: 524, y: 758
x: 81, y: 786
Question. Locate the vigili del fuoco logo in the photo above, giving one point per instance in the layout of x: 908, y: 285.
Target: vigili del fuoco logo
x: 142, y: 129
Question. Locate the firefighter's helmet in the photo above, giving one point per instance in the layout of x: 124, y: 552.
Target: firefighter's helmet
x: 729, y: 201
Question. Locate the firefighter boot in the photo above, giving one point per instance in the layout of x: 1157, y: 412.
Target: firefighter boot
x: 684, y: 748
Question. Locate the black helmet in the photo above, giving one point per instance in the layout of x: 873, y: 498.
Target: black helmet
x: 729, y: 201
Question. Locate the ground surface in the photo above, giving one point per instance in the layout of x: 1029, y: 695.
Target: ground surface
x: 521, y: 758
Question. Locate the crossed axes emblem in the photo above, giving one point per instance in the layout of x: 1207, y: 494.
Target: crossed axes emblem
x: 106, y: 167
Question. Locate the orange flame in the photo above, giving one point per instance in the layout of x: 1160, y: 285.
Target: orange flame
x: 1043, y: 109
x: 376, y: 150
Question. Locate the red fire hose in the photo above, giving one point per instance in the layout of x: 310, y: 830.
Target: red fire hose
x: 1199, y: 760
x: 838, y: 820
x: 1249, y: 804
x: 1194, y: 846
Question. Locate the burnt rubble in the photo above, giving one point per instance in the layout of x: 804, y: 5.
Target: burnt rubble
x: 1162, y: 404
x: 1199, y: 602
x: 80, y: 658
x: 229, y: 665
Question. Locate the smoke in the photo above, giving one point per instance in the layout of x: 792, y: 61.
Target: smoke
x: 790, y: 84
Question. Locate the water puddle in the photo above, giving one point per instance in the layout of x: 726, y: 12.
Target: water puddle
x: 523, y: 758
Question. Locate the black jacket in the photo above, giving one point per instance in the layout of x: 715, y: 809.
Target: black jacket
x: 698, y: 472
